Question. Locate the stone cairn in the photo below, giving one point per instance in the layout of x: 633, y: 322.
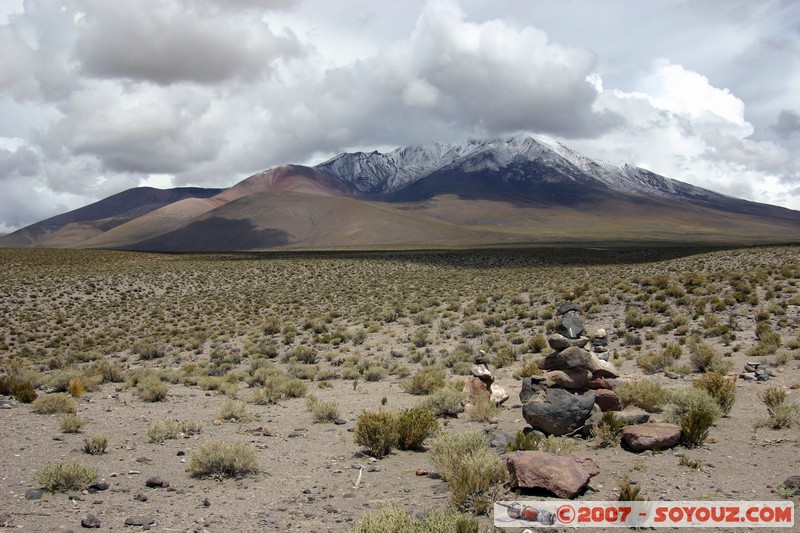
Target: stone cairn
x: 577, y: 381
x: 481, y: 383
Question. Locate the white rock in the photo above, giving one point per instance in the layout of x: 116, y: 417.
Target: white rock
x: 499, y: 394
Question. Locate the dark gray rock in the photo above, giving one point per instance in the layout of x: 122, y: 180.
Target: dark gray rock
x: 571, y: 325
x: 99, y: 486
x: 156, y: 482
x: 792, y: 483
x: 140, y: 521
x: 558, y: 341
x: 560, y: 411
x: 762, y: 374
x: 498, y: 440
x: 34, y: 494
x: 340, y: 421
x: 531, y: 386
x: 90, y: 522
x: 565, y: 307
x: 140, y: 497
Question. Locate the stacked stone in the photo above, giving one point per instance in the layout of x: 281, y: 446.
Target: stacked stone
x: 481, y: 382
x: 577, y: 382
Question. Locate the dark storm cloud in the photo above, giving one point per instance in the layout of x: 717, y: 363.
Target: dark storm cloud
x: 788, y: 124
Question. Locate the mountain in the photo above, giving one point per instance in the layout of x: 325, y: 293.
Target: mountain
x: 80, y: 224
x: 505, y: 191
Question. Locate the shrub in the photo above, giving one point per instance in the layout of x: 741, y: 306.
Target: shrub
x: 773, y: 396
x: 609, y: 431
x: 77, y: 386
x: 152, y: 389
x: 651, y: 363
x: 148, y: 351
x: 277, y: 387
x: 71, y: 423
x: 425, y: 380
x: 305, y: 354
x: 683, y: 401
x: 413, y: 426
x: 57, y: 402
x: 647, y: 395
x: 233, y: 411
x: 537, y: 344
x: 475, y: 473
x: 695, y: 425
x: 781, y: 414
x: 322, y: 411
x: 219, y: 459
x: 722, y: 389
x: 395, y: 520
x: 483, y: 410
x: 95, y: 445
x: 171, y: 429
x: 22, y: 390
x: 629, y: 492
x: 705, y: 358
x: 377, y: 432
x: 530, y: 368
x: 445, y: 402
x: 530, y: 441
x: 64, y: 477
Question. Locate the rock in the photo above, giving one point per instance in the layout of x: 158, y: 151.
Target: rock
x: 748, y: 376
x: 600, y: 368
x: 607, y: 400
x: 206, y: 502
x: 498, y: 394
x: 762, y: 374
x: 651, y: 436
x: 498, y: 440
x: 593, y: 421
x: 156, y: 482
x: 90, y: 522
x: 531, y: 386
x: 34, y: 494
x: 340, y: 421
x: 421, y: 472
x: 572, y: 378
x: 6, y: 520
x: 632, y: 415
x: 140, y: 521
x: 99, y: 486
x: 474, y: 388
x: 140, y: 497
x: 571, y: 325
x: 564, y: 476
x: 598, y: 382
x: 751, y: 366
x: 792, y: 483
x: 481, y: 371
x: 565, y: 307
x: 672, y: 375
x: 572, y: 357
x: 603, y: 355
x: 560, y: 342
x: 560, y: 411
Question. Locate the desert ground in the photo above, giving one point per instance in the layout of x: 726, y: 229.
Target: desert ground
x: 165, y: 354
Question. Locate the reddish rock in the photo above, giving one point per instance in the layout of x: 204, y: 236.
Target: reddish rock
x: 421, y: 472
x: 651, y: 436
x: 607, y: 400
x: 565, y: 476
x: 598, y: 382
x: 474, y: 388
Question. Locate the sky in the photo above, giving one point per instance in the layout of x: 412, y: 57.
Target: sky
x: 99, y: 96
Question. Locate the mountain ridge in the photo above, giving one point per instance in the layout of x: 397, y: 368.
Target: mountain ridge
x: 502, y: 191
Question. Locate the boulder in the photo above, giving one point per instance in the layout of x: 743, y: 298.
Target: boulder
x: 632, y: 415
x: 474, y: 388
x: 593, y: 421
x: 572, y: 357
x: 607, y: 400
x: 565, y: 476
x: 598, y: 382
x: 498, y: 394
x: 565, y: 307
x: 482, y: 371
x: 572, y: 378
x: 559, y: 411
x: 499, y: 440
x: 600, y: 367
x: 651, y: 436
x: 560, y: 342
x: 531, y: 386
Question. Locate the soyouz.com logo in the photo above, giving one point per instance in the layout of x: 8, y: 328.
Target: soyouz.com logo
x: 560, y: 513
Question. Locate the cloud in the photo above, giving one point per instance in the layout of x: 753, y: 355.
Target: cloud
x: 171, y: 42
x: 788, y: 123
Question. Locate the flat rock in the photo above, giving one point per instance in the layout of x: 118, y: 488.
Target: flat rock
x: 564, y: 476
x: 565, y: 307
x: 601, y: 368
x: 572, y: 357
x: 598, y: 382
x: 140, y: 521
x: 558, y: 341
x: 571, y: 378
x: 607, y: 400
x: 559, y: 411
x: 156, y: 482
x: 632, y: 415
x: 34, y: 494
x: 651, y: 436
x: 482, y: 371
